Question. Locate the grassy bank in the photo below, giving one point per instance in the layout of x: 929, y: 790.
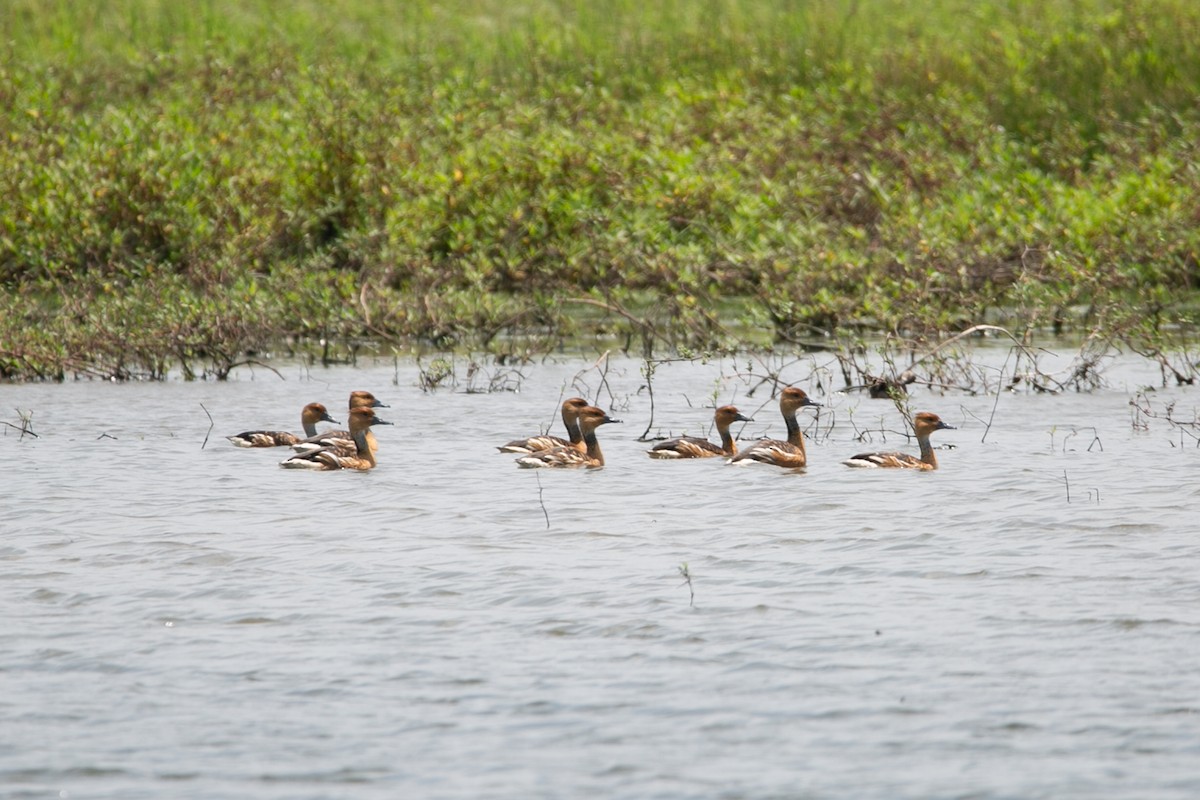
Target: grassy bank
x: 190, y: 183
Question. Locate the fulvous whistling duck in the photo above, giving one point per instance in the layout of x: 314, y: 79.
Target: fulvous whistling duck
x: 887, y: 388
x: 788, y: 454
x: 328, y: 458
x: 309, y: 417
x: 342, y: 441
x: 590, y: 418
x: 924, y: 424
x: 536, y: 444
x: 695, y: 447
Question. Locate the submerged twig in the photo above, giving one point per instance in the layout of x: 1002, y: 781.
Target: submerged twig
x: 225, y: 369
x: 974, y: 329
x: 1075, y: 432
x: 999, y: 383
x: 1143, y: 411
x: 577, y: 378
x: 210, y: 427
x: 648, y: 371
x: 687, y: 579
x: 26, y: 426
x: 541, y: 502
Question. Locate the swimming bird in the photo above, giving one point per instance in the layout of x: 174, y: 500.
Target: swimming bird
x: 341, y: 440
x: 886, y: 388
x: 309, y: 417
x: 328, y: 458
x: 924, y: 424
x: 788, y: 453
x: 590, y: 418
x: 695, y: 447
x: 536, y: 444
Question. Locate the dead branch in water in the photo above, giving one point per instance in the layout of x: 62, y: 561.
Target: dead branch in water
x: 1165, y: 366
x: 1142, y: 410
x: 500, y: 379
x: 1000, y: 381
x: 541, y: 502
x: 210, y: 427
x: 26, y: 426
x: 1075, y: 432
x: 648, y: 372
x: 770, y: 376
x: 687, y: 579
x: 932, y: 367
x: 441, y: 372
x: 971, y: 330
x: 223, y: 369
x: 649, y: 367
x: 577, y: 382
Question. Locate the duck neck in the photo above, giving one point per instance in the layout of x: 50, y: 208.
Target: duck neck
x: 727, y: 443
x: 310, y: 427
x: 593, y: 448
x: 927, y: 451
x: 573, y: 435
x: 795, y: 435
x: 364, y: 448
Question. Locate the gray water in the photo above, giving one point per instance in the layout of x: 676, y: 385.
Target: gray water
x: 188, y: 621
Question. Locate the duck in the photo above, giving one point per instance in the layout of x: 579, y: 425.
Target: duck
x: 328, y: 458
x: 888, y: 388
x: 789, y: 454
x: 924, y: 424
x: 537, y: 444
x: 342, y: 440
x: 695, y: 447
x: 310, y: 415
x: 590, y: 418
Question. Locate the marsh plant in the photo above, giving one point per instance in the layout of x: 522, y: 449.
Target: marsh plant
x: 191, y: 185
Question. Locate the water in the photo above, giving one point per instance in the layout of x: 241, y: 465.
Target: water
x: 181, y: 621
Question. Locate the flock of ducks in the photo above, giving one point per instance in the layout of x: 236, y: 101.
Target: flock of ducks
x: 355, y: 448
x: 339, y: 449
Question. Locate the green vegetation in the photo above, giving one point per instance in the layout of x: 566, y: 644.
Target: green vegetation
x: 195, y: 183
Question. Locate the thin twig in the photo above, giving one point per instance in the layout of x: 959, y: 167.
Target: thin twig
x: 545, y: 513
x: 253, y: 362
x: 603, y: 378
x: 649, y: 372
x: 23, y: 428
x: 973, y: 329
x: 999, y: 389
x: 687, y: 579
x: 1067, y: 483
x: 210, y: 427
x: 26, y: 422
x: 604, y: 381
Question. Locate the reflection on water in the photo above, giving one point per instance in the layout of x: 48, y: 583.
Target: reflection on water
x: 196, y: 622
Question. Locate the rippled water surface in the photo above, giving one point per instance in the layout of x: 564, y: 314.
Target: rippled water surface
x: 188, y: 621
